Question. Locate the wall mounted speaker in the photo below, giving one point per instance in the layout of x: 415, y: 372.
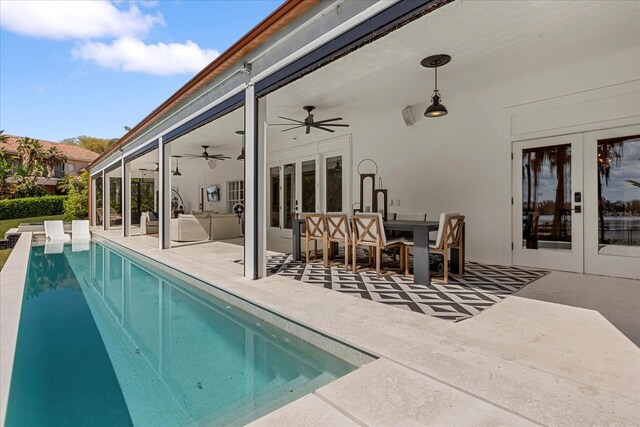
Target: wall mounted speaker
x: 407, y: 116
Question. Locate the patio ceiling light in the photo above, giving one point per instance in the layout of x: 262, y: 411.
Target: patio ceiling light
x: 436, y: 109
x: 177, y: 171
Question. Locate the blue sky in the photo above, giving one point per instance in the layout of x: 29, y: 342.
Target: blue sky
x: 90, y: 68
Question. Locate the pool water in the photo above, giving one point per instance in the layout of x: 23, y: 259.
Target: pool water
x: 105, y: 340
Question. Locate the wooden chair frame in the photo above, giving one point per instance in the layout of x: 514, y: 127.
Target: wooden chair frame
x: 315, y: 230
x: 371, y: 239
x: 338, y: 231
x: 452, y: 232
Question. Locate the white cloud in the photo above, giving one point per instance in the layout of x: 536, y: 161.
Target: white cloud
x: 132, y: 54
x: 75, y: 19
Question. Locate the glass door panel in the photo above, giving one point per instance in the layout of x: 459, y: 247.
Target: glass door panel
x: 546, y: 197
x: 309, y: 185
x: 618, y: 163
x: 274, y: 197
x: 289, y: 205
x: 333, y: 185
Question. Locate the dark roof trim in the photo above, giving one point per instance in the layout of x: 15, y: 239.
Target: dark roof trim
x: 214, y: 113
x: 392, y: 18
x: 113, y: 167
x: 142, y: 151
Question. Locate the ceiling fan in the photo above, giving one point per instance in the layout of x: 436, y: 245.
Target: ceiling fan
x: 309, y: 122
x: 205, y: 155
x: 157, y: 169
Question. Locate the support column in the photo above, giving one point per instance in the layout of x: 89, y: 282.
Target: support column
x: 255, y: 164
x: 106, y: 201
x: 92, y: 200
x: 164, y: 210
x: 126, y: 198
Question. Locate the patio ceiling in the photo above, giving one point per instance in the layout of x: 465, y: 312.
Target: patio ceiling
x: 220, y: 135
x: 489, y: 41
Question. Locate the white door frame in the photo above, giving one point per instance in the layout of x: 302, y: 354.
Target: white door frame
x: 572, y: 260
x: 624, y: 264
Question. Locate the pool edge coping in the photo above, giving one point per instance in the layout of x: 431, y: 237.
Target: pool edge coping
x: 12, y: 280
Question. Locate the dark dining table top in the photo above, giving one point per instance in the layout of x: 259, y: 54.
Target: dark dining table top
x: 404, y: 225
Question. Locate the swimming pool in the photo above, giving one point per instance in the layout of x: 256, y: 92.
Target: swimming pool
x: 108, y: 340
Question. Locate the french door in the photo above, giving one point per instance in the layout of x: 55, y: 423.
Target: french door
x: 576, y: 202
x: 547, y: 203
x: 293, y: 189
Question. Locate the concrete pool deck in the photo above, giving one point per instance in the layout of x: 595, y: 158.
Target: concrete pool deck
x: 561, y: 351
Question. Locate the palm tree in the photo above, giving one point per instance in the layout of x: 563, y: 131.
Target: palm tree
x: 30, y: 150
x: 52, y: 158
x: 608, y: 154
x: 3, y: 137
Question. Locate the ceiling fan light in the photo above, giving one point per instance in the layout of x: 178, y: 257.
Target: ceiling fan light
x: 241, y: 156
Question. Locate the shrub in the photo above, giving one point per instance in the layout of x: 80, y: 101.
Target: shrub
x: 77, y: 204
x: 31, y: 206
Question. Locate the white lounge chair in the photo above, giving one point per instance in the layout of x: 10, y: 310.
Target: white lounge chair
x: 54, y: 231
x: 80, y: 245
x: 54, y: 246
x: 80, y: 230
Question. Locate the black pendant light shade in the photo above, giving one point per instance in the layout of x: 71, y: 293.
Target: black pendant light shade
x: 241, y: 156
x: 177, y: 171
x: 436, y: 109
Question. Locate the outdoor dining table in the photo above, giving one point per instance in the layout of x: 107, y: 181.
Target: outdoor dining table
x: 420, y: 230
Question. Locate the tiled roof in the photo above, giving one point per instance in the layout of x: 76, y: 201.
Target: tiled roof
x: 72, y: 152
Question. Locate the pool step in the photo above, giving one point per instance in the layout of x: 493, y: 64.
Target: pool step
x: 267, y: 399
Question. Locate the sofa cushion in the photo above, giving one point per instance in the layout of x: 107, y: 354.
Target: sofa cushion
x: 153, y: 216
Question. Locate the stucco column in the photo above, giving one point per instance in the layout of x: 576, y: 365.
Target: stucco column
x: 164, y: 210
x: 106, y: 201
x: 126, y: 198
x: 255, y: 164
x: 92, y: 200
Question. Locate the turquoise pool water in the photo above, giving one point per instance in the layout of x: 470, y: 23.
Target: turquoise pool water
x: 106, y: 341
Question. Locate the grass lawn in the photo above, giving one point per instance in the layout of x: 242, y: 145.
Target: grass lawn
x: 6, y: 224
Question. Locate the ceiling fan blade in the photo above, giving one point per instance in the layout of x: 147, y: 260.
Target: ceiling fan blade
x: 335, y: 125
x: 220, y: 157
x: 295, y: 127
x: 328, y: 120
x: 192, y: 156
x: 324, y: 128
x: 293, y: 120
x: 283, y: 124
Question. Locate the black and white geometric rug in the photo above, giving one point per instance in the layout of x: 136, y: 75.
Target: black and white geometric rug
x: 463, y: 297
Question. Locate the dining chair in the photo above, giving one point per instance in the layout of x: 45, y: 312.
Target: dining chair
x: 368, y: 231
x: 339, y: 231
x: 408, y: 246
x: 316, y: 231
x: 449, y: 237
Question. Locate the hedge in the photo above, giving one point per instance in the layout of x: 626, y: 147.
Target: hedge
x: 31, y: 206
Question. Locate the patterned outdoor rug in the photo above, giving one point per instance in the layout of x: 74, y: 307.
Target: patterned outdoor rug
x: 463, y: 297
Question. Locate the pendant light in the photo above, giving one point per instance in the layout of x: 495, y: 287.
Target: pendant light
x: 241, y: 156
x: 177, y: 171
x: 436, y: 109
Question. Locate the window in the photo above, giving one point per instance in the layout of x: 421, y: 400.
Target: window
x: 71, y: 167
x: 235, y: 193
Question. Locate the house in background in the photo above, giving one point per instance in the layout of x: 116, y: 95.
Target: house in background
x: 77, y: 160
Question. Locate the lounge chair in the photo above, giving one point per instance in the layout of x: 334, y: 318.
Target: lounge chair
x: 54, y: 231
x: 54, y: 246
x: 80, y: 230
